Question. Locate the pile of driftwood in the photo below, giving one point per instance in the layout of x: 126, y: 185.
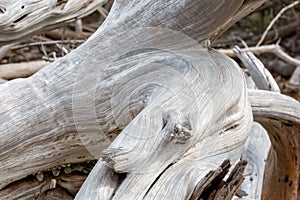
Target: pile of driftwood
x: 165, y: 115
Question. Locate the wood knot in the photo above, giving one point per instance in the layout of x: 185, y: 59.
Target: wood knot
x: 182, y: 132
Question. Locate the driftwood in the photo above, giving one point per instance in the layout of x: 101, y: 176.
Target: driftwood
x: 180, y: 107
x: 263, y: 80
x: 19, y: 19
x: 258, y: 144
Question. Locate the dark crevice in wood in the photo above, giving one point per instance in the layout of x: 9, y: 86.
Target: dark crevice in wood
x: 21, y: 18
x: 61, y: 2
x: 157, y: 178
x: 2, y: 10
x: 210, y: 182
x: 213, y: 187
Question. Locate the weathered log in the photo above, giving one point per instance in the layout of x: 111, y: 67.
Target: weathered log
x: 265, y: 105
x: 20, y: 19
x: 45, y: 100
x: 260, y: 98
x: 188, y: 102
x: 124, y: 87
x: 171, y: 139
x: 257, y: 146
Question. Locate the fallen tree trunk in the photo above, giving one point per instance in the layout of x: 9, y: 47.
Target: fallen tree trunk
x: 183, y: 107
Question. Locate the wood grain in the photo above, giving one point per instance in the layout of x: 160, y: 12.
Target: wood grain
x: 181, y: 108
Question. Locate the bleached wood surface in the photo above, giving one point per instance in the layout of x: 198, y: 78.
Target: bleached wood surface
x: 175, y: 88
x: 258, y: 145
x: 256, y: 153
x: 22, y: 18
x: 45, y: 100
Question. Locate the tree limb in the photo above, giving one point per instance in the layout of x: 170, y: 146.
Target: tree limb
x: 274, y: 48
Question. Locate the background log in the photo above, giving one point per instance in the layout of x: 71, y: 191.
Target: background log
x: 63, y: 187
x: 20, y: 19
x: 20, y: 70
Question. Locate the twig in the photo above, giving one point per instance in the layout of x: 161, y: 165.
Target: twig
x: 274, y: 20
x: 78, y: 26
x: 273, y: 48
x: 47, y: 43
x: 103, y: 12
x: 62, y: 38
x: 44, y: 50
x: 272, y: 35
x: 68, y: 35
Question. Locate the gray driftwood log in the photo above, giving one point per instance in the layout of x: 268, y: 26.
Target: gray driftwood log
x: 20, y: 19
x: 181, y: 108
